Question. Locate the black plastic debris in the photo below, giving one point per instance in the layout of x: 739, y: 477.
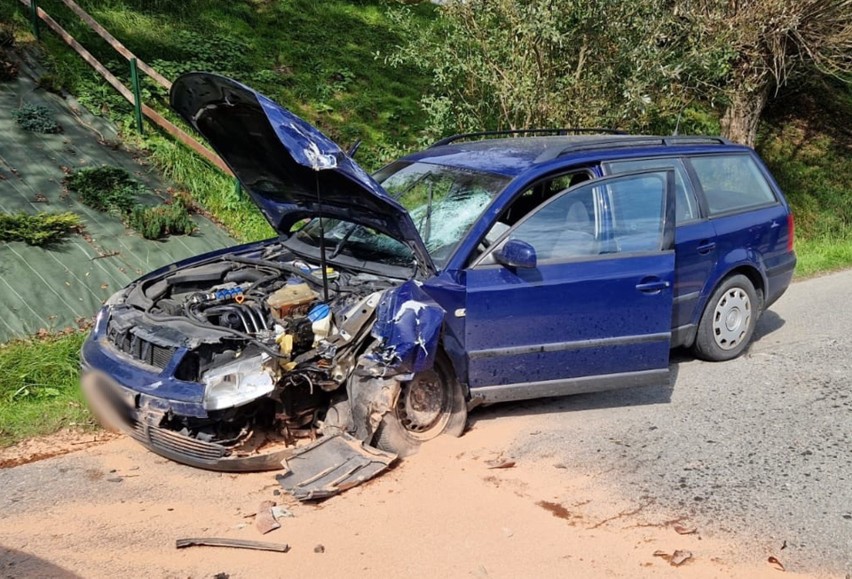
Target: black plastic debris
x: 332, y: 465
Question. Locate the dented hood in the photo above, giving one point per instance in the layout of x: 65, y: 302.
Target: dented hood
x: 289, y: 168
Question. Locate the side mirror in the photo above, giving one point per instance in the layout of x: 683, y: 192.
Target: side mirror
x: 516, y: 253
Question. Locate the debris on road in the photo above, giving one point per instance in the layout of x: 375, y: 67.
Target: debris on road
x: 280, y: 512
x: 500, y: 462
x: 676, y: 559
x: 332, y: 465
x: 681, y: 530
x: 265, y: 519
x: 774, y: 561
x: 319, y: 549
x: 234, y: 543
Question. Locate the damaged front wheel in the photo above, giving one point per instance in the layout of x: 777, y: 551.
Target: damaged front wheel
x: 430, y: 404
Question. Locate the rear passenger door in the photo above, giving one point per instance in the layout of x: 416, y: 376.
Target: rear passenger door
x: 695, y: 246
x: 749, y: 221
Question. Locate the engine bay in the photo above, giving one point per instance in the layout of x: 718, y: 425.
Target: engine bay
x: 259, y: 332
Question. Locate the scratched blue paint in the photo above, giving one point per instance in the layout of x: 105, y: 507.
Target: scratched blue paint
x: 408, y: 323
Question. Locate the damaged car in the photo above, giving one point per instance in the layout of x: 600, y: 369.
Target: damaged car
x: 478, y: 270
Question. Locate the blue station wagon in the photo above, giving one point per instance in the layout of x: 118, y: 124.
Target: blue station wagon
x: 485, y: 268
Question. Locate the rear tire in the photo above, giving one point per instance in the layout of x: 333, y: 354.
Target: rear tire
x: 728, y: 322
x: 429, y: 405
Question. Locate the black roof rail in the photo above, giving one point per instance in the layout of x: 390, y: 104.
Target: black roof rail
x: 694, y: 140
x: 631, y: 141
x: 557, y: 132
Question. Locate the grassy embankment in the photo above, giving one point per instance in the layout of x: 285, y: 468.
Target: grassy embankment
x: 807, y: 144
x: 39, y: 387
x: 319, y: 59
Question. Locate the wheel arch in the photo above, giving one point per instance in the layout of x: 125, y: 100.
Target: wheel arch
x: 754, y: 276
x: 748, y: 269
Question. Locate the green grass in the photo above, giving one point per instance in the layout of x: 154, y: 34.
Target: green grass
x: 39, y: 387
x: 807, y: 146
x: 323, y: 60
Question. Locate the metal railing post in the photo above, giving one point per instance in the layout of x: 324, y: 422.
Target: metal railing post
x: 34, y: 18
x: 137, y: 95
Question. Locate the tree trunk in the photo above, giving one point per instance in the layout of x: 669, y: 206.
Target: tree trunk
x: 739, y: 122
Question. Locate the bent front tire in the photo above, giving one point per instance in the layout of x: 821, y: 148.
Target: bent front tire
x: 430, y: 404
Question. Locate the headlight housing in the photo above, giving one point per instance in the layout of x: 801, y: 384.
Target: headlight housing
x: 237, y: 383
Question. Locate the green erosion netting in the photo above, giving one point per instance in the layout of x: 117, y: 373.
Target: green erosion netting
x: 54, y: 288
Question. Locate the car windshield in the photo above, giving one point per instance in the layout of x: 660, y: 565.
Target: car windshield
x: 444, y: 202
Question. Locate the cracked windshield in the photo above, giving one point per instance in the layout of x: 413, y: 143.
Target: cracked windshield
x: 443, y: 202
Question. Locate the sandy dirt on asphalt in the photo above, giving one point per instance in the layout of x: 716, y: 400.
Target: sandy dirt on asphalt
x: 116, y: 510
x: 56, y: 444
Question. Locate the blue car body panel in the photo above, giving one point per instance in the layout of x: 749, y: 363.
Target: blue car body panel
x: 567, y: 320
x: 149, y: 386
x: 289, y: 168
x: 408, y: 323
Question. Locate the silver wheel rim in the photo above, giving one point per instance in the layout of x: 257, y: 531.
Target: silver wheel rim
x: 731, y: 318
x: 423, y: 407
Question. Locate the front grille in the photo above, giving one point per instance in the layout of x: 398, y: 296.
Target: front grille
x: 140, y: 349
x: 174, y: 443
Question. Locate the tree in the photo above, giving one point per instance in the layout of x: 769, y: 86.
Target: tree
x: 634, y: 65
x: 517, y: 64
x: 770, y: 43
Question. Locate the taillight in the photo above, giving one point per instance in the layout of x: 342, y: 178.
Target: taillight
x: 791, y: 231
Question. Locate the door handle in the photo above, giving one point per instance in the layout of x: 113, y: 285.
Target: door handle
x: 652, y: 285
x: 706, y: 247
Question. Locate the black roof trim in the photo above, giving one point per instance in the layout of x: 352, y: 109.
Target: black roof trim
x: 556, y: 132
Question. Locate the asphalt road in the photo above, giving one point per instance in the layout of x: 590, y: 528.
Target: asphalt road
x: 759, y: 447
x: 753, y: 453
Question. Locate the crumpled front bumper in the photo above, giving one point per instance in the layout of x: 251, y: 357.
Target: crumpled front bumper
x: 131, y: 412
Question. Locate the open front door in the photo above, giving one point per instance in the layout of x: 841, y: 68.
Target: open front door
x: 577, y: 297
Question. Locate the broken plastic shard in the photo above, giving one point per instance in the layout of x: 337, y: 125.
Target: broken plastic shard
x: 265, y: 520
x: 332, y: 465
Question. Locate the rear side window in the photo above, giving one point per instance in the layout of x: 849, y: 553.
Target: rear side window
x: 686, y: 208
x: 731, y: 183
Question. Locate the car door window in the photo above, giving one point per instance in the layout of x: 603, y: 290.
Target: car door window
x: 731, y: 183
x: 621, y: 214
x: 686, y: 206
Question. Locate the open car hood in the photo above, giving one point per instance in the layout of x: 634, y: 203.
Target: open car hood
x: 289, y: 168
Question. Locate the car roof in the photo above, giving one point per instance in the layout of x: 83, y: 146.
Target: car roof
x: 513, y: 156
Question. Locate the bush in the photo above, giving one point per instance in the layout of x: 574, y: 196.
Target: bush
x: 105, y: 188
x: 113, y: 189
x: 36, y: 119
x: 158, y: 222
x: 40, y: 229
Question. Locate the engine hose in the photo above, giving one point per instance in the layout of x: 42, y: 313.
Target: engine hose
x: 275, y: 265
x: 226, y: 308
x: 242, y: 335
x: 260, y: 282
x: 241, y: 275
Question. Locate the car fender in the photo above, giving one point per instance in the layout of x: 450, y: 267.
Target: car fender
x: 408, y: 327
x: 734, y: 260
